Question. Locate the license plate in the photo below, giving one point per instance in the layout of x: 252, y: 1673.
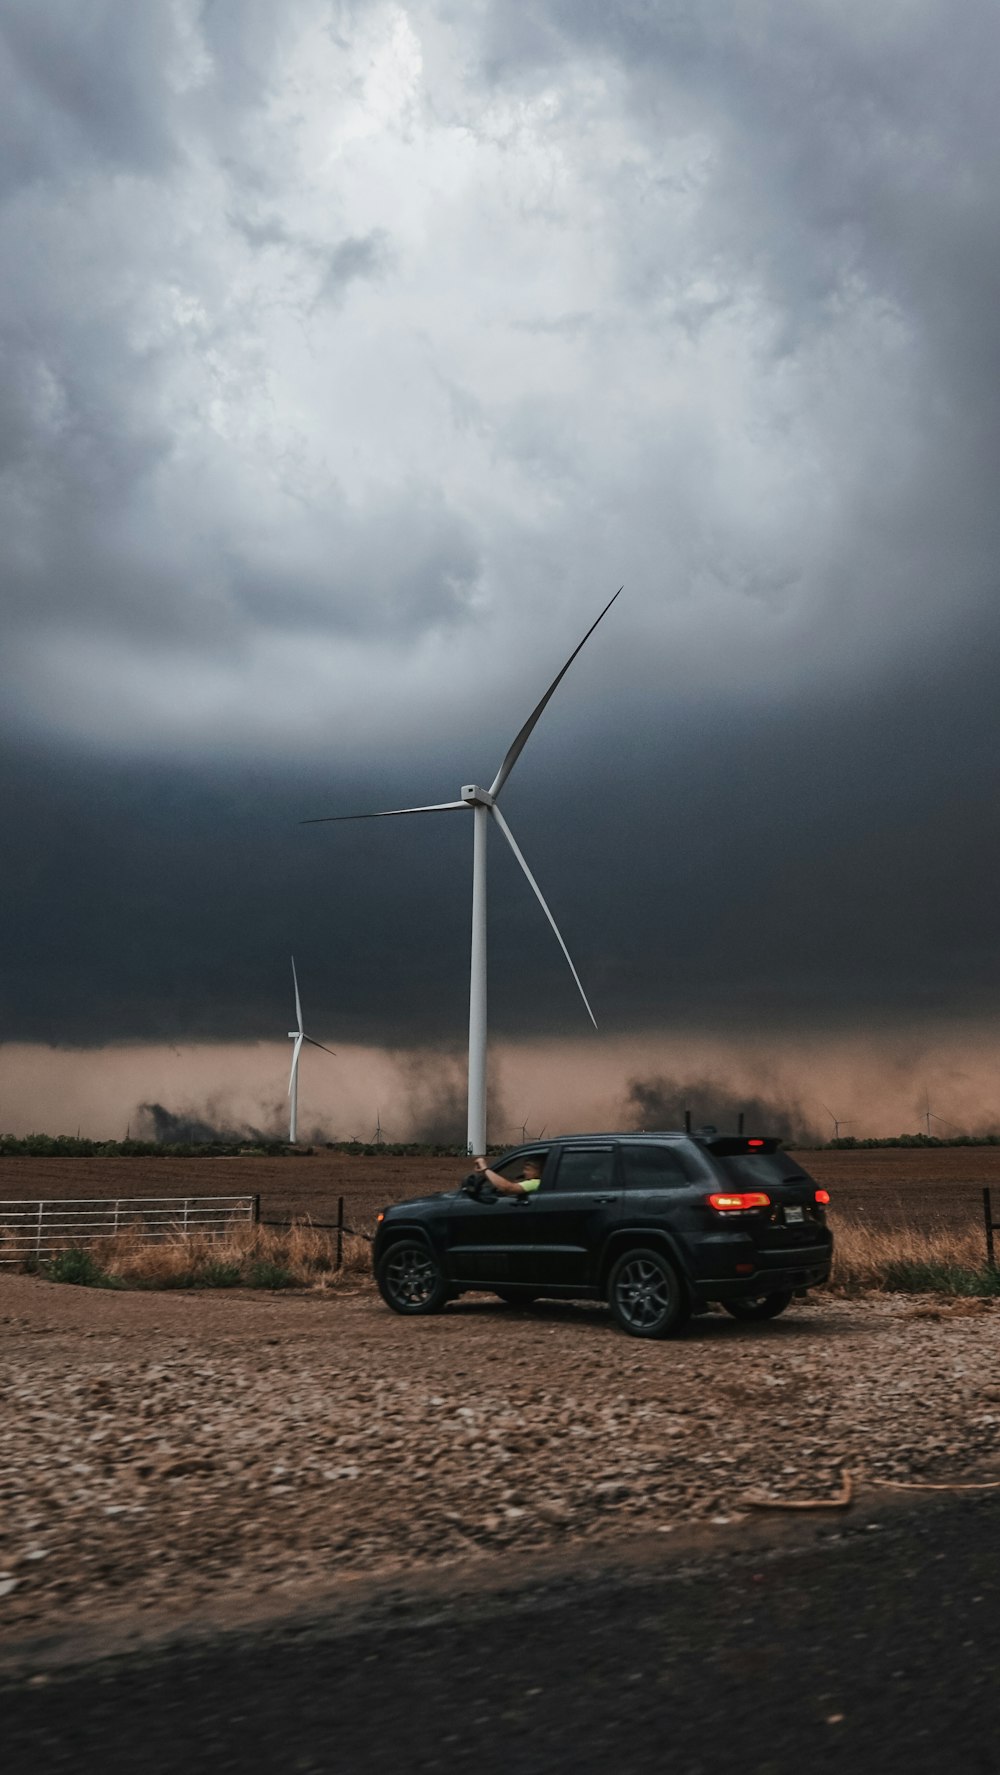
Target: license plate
x: 794, y: 1214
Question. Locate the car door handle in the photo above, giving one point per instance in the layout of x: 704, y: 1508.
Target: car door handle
x: 605, y: 1198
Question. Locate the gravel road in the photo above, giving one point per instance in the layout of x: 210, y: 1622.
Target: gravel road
x: 873, y: 1648
x: 171, y: 1456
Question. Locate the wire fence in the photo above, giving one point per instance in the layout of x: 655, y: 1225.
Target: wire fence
x: 338, y: 1226
x: 37, y: 1228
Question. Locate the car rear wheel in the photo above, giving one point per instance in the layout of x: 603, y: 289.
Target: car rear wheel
x: 517, y: 1297
x: 410, y: 1279
x: 759, y: 1306
x: 646, y: 1295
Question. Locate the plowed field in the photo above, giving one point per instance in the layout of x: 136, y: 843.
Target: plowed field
x: 887, y: 1186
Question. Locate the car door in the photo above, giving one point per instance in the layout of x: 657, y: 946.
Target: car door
x: 563, y: 1225
x: 664, y: 1184
x: 484, y: 1234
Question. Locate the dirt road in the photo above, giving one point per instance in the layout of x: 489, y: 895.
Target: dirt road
x: 171, y: 1455
x: 872, y: 1648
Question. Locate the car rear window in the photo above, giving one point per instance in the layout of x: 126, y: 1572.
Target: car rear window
x: 760, y: 1169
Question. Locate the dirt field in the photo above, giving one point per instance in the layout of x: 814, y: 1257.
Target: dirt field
x: 167, y: 1455
x: 916, y: 1186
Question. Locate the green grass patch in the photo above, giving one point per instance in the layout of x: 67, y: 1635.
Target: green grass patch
x: 79, y: 1268
x: 215, y: 1274
x: 263, y: 1273
x: 910, y: 1277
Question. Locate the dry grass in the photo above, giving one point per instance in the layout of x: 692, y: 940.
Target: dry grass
x: 939, y: 1260
x: 297, y: 1256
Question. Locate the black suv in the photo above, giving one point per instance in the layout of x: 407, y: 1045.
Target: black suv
x: 658, y: 1225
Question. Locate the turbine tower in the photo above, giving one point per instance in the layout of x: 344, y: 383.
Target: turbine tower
x: 299, y: 1037
x: 483, y: 806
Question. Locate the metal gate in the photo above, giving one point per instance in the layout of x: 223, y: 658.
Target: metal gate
x: 35, y: 1228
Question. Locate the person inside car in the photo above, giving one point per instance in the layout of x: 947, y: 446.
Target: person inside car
x: 531, y: 1177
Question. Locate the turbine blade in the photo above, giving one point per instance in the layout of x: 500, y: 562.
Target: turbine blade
x: 296, y: 1051
x: 298, y: 1001
x: 311, y: 1039
x: 508, y: 834
x: 515, y: 750
x: 390, y: 813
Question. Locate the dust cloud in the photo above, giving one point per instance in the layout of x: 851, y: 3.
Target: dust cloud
x: 435, y: 1096
x: 663, y: 1102
x: 153, y: 1121
x: 876, y: 1080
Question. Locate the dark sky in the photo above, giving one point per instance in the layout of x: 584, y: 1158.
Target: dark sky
x: 352, y: 356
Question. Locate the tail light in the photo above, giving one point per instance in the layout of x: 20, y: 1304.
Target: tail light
x: 736, y: 1203
x: 823, y: 1196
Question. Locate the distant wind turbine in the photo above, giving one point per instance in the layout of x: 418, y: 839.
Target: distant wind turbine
x: 837, y: 1124
x: 378, y: 1128
x: 299, y: 1037
x: 483, y: 804
x: 538, y: 1136
x: 932, y: 1116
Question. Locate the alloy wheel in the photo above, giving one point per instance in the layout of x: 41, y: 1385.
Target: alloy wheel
x: 644, y: 1293
x: 411, y: 1275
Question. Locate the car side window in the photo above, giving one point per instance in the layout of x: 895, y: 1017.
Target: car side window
x: 653, y: 1167
x: 512, y: 1168
x: 586, y: 1168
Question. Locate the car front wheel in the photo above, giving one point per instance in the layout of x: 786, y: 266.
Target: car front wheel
x: 410, y: 1279
x: 759, y: 1306
x: 646, y: 1295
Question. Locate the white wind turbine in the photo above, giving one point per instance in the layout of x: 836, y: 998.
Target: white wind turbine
x: 838, y: 1121
x: 299, y: 1037
x: 932, y: 1116
x: 483, y: 804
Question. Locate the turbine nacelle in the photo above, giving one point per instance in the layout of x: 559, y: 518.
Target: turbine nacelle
x: 474, y: 796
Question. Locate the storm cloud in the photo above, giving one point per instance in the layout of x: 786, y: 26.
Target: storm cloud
x: 352, y: 355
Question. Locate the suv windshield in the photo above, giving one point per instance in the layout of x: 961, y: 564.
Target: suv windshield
x: 761, y: 1169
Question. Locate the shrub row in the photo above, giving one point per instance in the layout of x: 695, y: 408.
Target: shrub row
x: 71, y: 1146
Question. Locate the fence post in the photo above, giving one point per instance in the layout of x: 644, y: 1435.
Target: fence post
x: 340, y: 1232
x: 187, y: 1204
x: 256, y: 1210
x: 988, y: 1218
x: 38, y: 1233
x: 117, y: 1210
